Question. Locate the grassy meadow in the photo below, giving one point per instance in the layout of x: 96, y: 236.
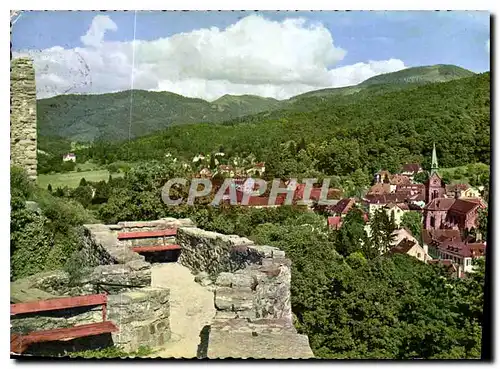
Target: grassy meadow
x: 72, y: 179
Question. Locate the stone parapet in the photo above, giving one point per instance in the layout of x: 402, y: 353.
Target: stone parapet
x: 142, y: 317
x: 252, y: 297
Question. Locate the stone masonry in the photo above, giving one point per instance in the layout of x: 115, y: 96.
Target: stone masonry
x: 250, y: 285
x: 140, y: 311
x: 23, y: 130
x: 251, y: 296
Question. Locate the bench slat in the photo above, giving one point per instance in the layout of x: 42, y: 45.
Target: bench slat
x: 57, y: 304
x: 20, y: 342
x: 142, y: 234
x: 155, y: 248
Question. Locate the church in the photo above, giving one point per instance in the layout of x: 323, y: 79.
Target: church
x: 443, y: 212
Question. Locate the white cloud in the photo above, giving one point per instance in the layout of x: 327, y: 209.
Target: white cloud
x: 95, y: 34
x: 253, y: 56
x: 487, y: 46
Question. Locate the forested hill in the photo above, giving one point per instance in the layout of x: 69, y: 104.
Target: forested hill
x: 433, y: 73
x: 403, y: 79
x: 377, y: 131
x: 107, y: 116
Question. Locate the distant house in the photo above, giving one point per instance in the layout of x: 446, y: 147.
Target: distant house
x: 342, y: 207
x: 335, y: 222
x: 412, y: 248
x: 69, y: 157
x: 380, y: 188
x: 315, y: 194
x: 411, y: 169
x: 452, y: 247
x: 227, y: 170
x: 258, y: 169
x: 452, y: 213
x: 401, y: 234
x: 205, y: 173
x: 376, y: 202
x: 471, y: 192
x: 450, y: 267
x: 462, y: 190
x: 412, y: 189
x: 382, y: 176
x: 396, y: 210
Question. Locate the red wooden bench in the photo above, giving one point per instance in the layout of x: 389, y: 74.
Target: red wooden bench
x: 149, y: 234
x: 20, y: 342
x: 146, y: 234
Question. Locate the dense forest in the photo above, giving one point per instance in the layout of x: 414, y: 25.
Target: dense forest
x: 377, y: 131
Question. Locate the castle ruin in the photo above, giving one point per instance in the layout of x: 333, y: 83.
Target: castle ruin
x: 23, y: 130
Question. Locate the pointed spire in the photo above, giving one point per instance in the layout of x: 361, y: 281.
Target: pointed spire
x: 434, y: 165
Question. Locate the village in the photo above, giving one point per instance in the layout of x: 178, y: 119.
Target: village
x: 449, y: 231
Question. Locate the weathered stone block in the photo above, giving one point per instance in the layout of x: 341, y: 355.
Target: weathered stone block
x: 224, y: 280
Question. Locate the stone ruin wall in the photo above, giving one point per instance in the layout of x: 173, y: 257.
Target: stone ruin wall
x: 23, y: 129
x: 251, y: 286
x: 140, y: 311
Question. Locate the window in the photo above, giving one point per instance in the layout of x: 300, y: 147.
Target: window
x: 432, y: 222
x: 418, y: 255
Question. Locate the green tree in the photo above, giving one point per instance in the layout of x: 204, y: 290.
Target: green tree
x: 382, y: 230
x: 351, y: 236
x: 413, y: 221
x: 482, y: 221
x: 421, y: 177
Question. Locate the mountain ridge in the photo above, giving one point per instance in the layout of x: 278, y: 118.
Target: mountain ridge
x: 110, y: 117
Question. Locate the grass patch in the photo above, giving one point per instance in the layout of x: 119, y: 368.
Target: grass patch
x: 72, y: 179
x: 88, y: 166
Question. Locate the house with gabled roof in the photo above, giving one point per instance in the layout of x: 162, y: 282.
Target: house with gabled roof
x: 450, y: 244
x: 411, y: 248
x: 452, y: 213
x: 411, y: 169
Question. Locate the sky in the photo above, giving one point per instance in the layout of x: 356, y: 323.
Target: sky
x: 210, y: 54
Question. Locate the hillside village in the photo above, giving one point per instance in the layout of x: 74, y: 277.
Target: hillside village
x: 449, y: 214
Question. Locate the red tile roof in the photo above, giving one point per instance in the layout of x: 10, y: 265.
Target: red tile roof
x: 387, y: 198
x: 413, y: 187
x: 412, y: 168
x: 463, y: 206
x: 438, y: 235
x: 440, y: 204
x: 399, y: 179
x: 403, y: 247
x: 446, y: 263
x: 380, y: 188
x: 462, y: 249
x: 343, y: 206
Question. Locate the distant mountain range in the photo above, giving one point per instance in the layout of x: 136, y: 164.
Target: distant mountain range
x: 108, y: 117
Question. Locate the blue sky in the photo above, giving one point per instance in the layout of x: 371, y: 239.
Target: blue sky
x: 417, y: 38
x: 345, y: 45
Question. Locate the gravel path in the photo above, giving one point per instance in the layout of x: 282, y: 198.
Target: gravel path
x: 191, y: 308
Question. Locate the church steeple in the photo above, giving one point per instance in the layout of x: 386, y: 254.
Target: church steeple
x: 434, y: 165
